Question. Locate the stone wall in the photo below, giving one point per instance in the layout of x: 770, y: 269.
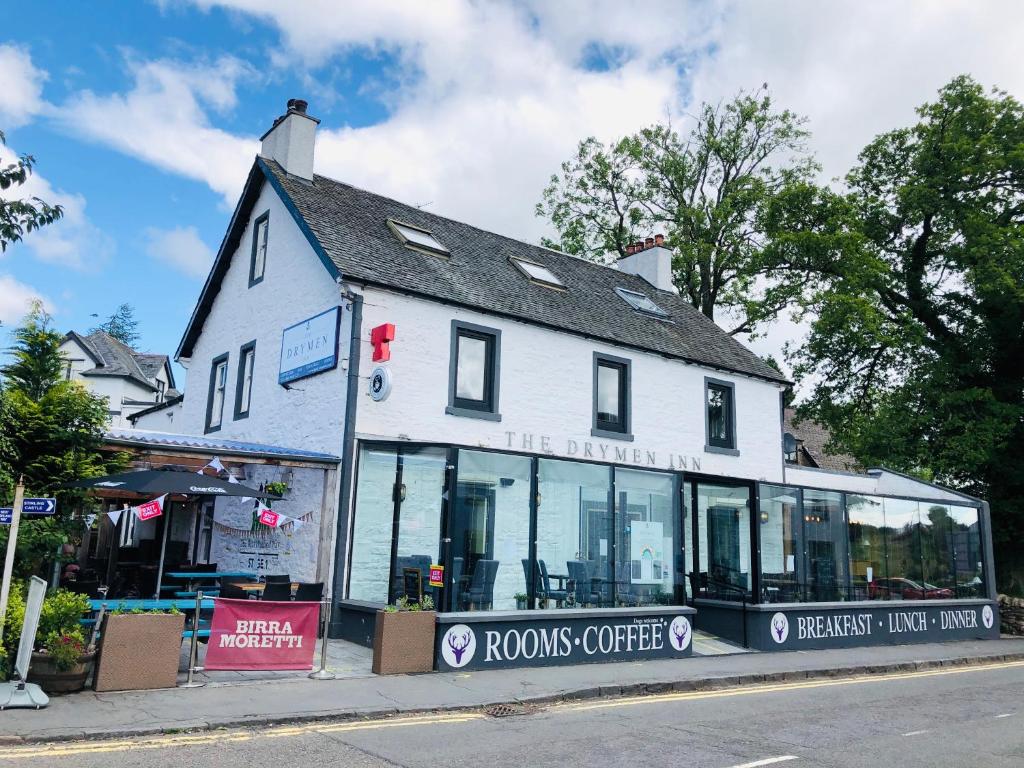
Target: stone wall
x: 1011, y: 615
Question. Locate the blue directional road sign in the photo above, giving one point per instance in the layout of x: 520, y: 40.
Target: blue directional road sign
x: 6, y: 515
x: 39, y: 507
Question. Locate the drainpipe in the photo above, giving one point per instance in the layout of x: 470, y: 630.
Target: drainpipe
x: 347, y: 459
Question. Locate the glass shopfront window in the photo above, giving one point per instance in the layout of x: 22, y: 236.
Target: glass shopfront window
x: 420, y: 491
x: 825, y: 541
x: 723, y: 536
x: 372, y: 530
x: 781, y: 548
x: 648, y: 560
x: 967, y: 563
x: 868, y: 562
x: 575, y: 536
x: 905, y: 579
x: 490, y: 531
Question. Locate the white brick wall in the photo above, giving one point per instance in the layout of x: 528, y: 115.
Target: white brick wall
x: 546, y: 391
x: 296, y: 286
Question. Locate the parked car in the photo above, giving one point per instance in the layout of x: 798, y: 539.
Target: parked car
x: 905, y: 589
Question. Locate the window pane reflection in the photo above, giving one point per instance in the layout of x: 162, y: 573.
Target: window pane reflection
x: 574, y: 535
x: 781, y: 549
x: 373, y: 525
x: 471, y: 374
x: 646, y: 559
x: 867, y: 544
x: 825, y: 537
x: 419, y: 519
x: 723, y: 530
x: 608, y: 393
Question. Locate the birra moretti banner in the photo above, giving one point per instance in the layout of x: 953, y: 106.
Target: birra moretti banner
x: 252, y: 634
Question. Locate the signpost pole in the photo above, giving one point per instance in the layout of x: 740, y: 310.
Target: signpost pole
x: 325, y: 620
x: 193, y: 653
x: 12, y: 541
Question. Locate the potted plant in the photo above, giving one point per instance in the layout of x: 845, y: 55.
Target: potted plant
x: 403, y: 639
x: 521, y: 598
x: 139, y: 650
x: 63, y: 660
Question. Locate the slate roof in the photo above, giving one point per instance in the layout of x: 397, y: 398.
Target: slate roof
x: 144, y: 437
x: 347, y: 227
x: 815, y: 437
x: 114, y: 358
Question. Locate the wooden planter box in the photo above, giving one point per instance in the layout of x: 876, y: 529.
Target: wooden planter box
x: 403, y: 641
x: 139, y: 651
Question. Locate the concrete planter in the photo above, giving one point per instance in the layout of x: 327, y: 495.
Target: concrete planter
x: 139, y: 651
x: 52, y: 680
x: 403, y: 642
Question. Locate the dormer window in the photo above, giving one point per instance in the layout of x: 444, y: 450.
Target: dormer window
x: 641, y: 303
x: 417, y: 239
x: 538, y: 273
x: 160, y: 390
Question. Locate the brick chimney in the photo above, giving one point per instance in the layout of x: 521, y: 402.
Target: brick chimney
x: 290, y: 140
x: 651, y: 260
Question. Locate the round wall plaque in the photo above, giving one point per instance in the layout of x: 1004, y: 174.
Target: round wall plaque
x: 380, y: 383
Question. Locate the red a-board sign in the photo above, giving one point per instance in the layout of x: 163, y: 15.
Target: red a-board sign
x: 257, y: 634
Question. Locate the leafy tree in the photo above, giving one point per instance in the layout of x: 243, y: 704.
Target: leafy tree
x: 37, y: 362
x: 709, y: 192
x: 18, y: 217
x: 916, y: 284
x: 51, y: 432
x: 122, y: 325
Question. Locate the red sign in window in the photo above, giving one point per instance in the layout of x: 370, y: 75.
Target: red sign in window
x: 436, y: 576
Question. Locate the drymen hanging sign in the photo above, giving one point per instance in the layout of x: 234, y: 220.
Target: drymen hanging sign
x: 310, y: 347
x: 563, y: 637
x: 251, y: 634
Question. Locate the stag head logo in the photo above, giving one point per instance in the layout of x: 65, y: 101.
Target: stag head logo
x: 780, y: 628
x: 987, y: 617
x: 679, y: 632
x: 458, y: 645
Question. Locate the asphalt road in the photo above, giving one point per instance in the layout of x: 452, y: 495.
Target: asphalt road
x: 961, y: 716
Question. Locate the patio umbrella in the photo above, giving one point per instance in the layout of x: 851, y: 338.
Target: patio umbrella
x: 182, y: 482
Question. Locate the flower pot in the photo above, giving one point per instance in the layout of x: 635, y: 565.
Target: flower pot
x: 43, y: 671
x: 139, y: 651
x: 403, y: 642
x: 520, y: 603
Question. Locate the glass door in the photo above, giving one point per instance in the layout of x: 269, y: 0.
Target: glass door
x: 724, y: 551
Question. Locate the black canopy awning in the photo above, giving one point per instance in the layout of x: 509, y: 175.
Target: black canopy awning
x: 173, y: 481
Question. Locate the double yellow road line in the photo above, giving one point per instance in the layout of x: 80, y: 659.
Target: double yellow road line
x: 69, y: 749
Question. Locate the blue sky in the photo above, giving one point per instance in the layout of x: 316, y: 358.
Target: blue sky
x: 144, y: 117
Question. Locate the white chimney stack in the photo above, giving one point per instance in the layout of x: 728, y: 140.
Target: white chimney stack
x: 290, y: 140
x: 650, y: 260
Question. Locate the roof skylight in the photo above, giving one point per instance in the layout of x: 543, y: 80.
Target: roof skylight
x: 538, y: 273
x: 419, y: 239
x: 641, y: 303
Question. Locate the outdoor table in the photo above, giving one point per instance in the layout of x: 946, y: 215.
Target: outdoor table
x: 191, y: 577
x: 259, y: 587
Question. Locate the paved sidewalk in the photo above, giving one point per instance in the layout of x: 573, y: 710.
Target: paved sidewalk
x: 99, y: 715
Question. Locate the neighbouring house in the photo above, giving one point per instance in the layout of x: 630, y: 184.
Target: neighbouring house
x: 806, y: 445
x: 131, y: 381
x: 521, y: 431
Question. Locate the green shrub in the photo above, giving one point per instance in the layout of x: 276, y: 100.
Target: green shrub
x: 61, y: 612
x: 65, y: 648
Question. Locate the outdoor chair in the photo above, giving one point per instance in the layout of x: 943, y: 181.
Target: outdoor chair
x: 579, y: 578
x: 558, y: 595
x: 310, y: 593
x: 87, y: 588
x: 233, y: 592
x: 277, y: 578
x: 481, y: 586
x: 277, y: 591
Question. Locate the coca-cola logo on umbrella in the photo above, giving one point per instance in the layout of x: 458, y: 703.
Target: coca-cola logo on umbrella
x: 458, y: 645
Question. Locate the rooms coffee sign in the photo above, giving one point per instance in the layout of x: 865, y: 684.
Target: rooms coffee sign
x: 563, y: 638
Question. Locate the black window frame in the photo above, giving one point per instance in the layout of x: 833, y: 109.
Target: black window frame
x: 620, y: 429
x: 209, y: 427
x: 487, y: 408
x: 263, y: 217
x: 716, y: 445
x: 244, y: 350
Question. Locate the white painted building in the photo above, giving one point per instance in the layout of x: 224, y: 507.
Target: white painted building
x: 130, y: 381
x: 550, y: 431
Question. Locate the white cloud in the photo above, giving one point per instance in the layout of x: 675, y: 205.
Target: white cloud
x: 72, y: 241
x: 16, y: 298
x: 181, y: 248
x: 163, y: 120
x: 21, y: 95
